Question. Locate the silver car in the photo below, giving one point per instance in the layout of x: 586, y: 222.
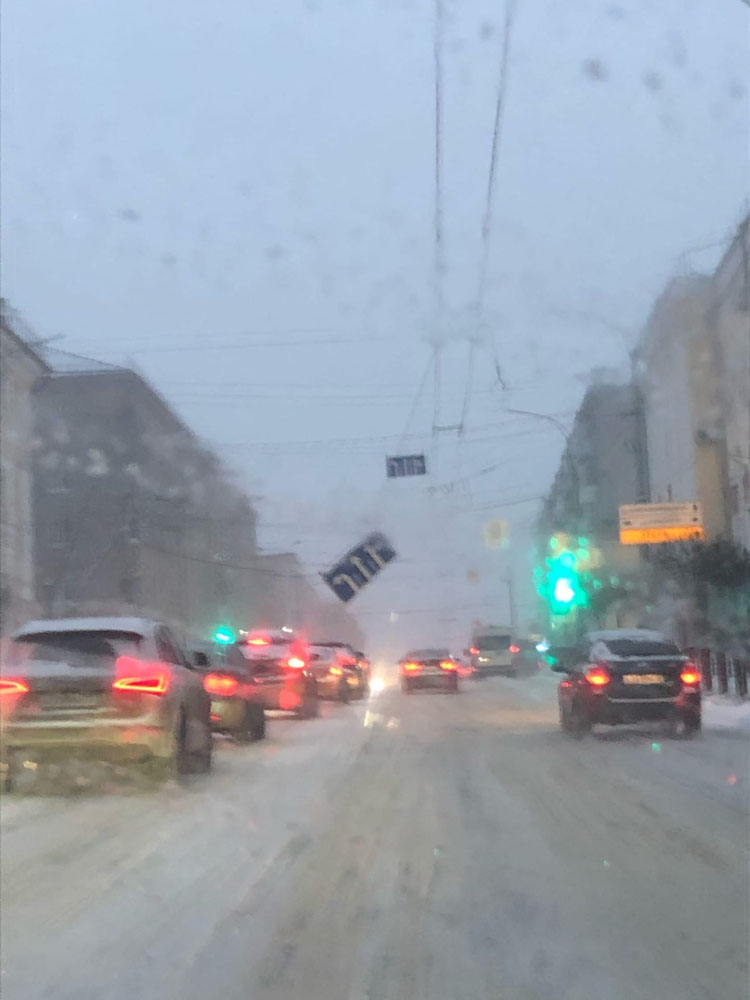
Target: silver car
x: 117, y: 689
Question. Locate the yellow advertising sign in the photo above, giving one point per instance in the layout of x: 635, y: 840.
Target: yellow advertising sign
x: 496, y: 534
x: 653, y: 536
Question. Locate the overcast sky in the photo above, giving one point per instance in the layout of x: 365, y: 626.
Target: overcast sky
x: 237, y: 198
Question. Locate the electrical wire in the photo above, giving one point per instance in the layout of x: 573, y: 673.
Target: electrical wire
x: 438, y: 33
x: 510, y: 14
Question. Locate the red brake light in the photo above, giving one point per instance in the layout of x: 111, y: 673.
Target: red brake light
x: 690, y: 675
x: 258, y: 640
x: 141, y: 678
x: 514, y: 649
x: 412, y: 666
x: 447, y: 665
x: 296, y: 662
x: 597, y: 676
x: 474, y: 651
x: 220, y: 684
x: 13, y: 685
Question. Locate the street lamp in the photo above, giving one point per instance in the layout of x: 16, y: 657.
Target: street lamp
x: 567, y: 455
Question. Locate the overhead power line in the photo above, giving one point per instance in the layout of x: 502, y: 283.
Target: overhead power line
x: 438, y: 59
x: 247, y: 345
x: 497, y: 130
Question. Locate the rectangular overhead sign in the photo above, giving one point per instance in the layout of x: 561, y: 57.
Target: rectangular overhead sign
x: 654, y: 523
x: 398, y: 466
x: 359, y: 566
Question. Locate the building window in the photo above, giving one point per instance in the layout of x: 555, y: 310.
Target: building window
x: 734, y: 499
x: 60, y: 533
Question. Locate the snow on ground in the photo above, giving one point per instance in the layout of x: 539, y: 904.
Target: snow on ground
x: 722, y: 711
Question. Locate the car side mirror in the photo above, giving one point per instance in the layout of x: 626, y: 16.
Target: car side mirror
x: 200, y: 660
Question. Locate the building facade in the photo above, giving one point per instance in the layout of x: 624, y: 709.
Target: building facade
x: 678, y: 377
x: 132, y: 512
x: 603, y: 466
x: 20, y: 369
x: 728, y: 323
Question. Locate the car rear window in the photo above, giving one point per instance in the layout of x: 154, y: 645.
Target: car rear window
x: 428, y: 654
x: 273, y: 650
x: 641, y: 647
x: 323, y: 652
x: 74, y: 648
x: 489, y: 643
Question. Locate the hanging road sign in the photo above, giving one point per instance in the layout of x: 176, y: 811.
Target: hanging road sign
x: 398, y: 466
x: 359, y: 566
x: 653, y: 523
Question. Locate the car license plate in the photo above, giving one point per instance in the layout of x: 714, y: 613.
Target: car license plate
x: 643, y: 679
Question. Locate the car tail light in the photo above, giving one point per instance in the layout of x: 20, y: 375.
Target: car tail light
x: 135, y: 676
x: 258, y: 640
x: 690, y: 675
x: 447, y: 665
x: 411, y: 667
x: 296, y: 662
x: 221, y: 684
x: 597, y: 676
x: 335, y: 670
x: 13, y: 686
x: 474, y: 651
x: 514, y: 649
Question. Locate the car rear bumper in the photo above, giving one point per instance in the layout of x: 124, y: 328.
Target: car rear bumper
x: 446, y: 679
x: 126, y: 739
x: 620, y: 711
x: 227, y: 714
x: 328, y: 686
x: 494, y: 670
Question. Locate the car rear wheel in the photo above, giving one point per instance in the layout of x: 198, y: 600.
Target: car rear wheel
x: 202, y: 761
x: 685, y: 726
x: 6, y: 777
x: 344, y: 695
x: 453, y: 686
x: 406, y: 687
x: 310, y: 707
x: 573, y: 720
x: 254, y: 726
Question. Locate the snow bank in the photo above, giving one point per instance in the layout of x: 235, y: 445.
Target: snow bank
x: 722, y: 712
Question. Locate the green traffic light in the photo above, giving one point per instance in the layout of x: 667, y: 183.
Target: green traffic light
x: 223, y: 634
x: 564, y: 591
x: 563, y: 582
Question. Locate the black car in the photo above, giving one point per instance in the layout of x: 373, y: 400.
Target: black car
x: 623, y: 676
x: 236, y: 704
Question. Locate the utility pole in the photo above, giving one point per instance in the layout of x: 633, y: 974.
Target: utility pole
x: 508, y: 580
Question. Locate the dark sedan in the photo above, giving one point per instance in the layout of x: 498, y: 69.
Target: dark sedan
x: 236, y: 705
x: 624, y: 676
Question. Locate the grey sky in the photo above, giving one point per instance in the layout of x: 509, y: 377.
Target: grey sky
x: 260, y: 175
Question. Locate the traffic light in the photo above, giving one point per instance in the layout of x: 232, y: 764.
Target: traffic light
x: 223, y: 634
x: 561, y: 582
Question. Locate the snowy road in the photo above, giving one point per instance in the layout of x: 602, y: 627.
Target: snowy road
x: 421, y: 848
